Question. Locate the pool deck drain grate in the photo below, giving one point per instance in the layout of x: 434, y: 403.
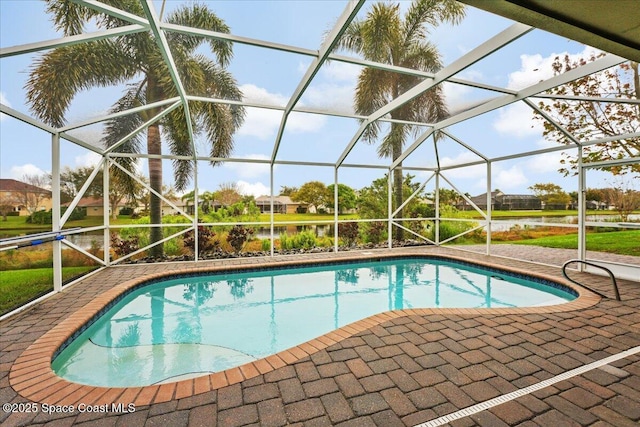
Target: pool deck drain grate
x: 527, y: 390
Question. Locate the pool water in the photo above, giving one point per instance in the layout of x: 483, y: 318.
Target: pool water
x: 190, y: 326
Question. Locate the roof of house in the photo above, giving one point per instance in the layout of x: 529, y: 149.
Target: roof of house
x: 87, y: 202
x: 7, y: 184
x: 283, y: 200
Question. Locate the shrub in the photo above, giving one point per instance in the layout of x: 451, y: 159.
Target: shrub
x: 375, y: 231
x: 286, y: 243
x: 40, y: 217
x: 304, y: 240
x: 206, y: 240
x: 125, y: 246
x: 126, y: 211
x: 46, y: 217
x: 349, y: 232
x: 265, y: 245
x: 450, y: 229
x: 237, y: 237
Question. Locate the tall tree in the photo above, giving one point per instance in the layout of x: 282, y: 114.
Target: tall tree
x: 552, y: 195
x: 228, y: 193
x: 346, y: 197
x: 313, y: 193
x: 59, y: 74
x: 387, y: 37
x: 592, y: 119
x: 33, y: 192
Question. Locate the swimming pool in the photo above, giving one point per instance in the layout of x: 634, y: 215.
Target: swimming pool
x: 190, y: 326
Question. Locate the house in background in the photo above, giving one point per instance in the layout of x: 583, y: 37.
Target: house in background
x: 504, y: 202
x: 281, y: 204
x: 92, y: 205
x: 24, y: 198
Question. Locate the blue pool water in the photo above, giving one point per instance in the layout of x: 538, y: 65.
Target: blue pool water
x: 190, y: 326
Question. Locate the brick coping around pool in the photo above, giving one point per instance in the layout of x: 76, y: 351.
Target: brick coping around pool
x: 32, y: 377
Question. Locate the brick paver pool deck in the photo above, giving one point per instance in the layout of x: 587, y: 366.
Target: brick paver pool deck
x: 402, y: 368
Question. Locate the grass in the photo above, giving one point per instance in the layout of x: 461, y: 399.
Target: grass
x: 21, y: 286
x: 617, y: 242
x: 304, y: 217
x: 529, y: 214
x: 17, y: 225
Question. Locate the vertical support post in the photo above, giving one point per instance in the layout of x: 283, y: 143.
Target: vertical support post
x: 196, y: 191
x: 55, y: 221
x: 273, y: 240
x: 489, y: 208
x: 389, y: 210
x: 335, y: 209
x: 105, y: 208
x: 437, y: 209
x: 582, y: 237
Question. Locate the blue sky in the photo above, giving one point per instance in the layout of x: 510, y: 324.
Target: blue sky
x: 270, y: 77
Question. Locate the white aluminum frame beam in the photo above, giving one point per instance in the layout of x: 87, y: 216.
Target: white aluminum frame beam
x: 332, y: 39
x: 548, y: 118
x: 71, y: 40
x: 123, y: 113
x: 165, y: 51
x: 143, y: 127
x: 505, y: 37
x: 576, y: 73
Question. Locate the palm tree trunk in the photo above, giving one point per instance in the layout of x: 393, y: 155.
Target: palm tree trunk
x: 397, y: 191
x: 154, y: 146
x: 396, y: 152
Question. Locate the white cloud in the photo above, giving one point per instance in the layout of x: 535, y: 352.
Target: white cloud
x: 461, y: 97
x: 468, y: 172
x: 263, y: 123
x: 517, y: 120
x: 341, y: 71
x: 249, y: 170
x: 509, y: 179
x: 302, y: 123
x: 535, y: 68
x: 255, y: 189
x: 253, y: 93
x: 330, y: 96
x: 89, y: 159
x: 18, y: 172
x: 548, y: 162
x: 4, y: 101
x: 260, y: 123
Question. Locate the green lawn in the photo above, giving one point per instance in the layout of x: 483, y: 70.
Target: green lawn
x: 617, y: 242
x: 520, y: 214
x: 17, y: 225
x: 18, y: 287
x: 304, y: 217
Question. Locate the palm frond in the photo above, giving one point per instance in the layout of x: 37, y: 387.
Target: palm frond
x: 118, y: 128
x: 381, y: 33
x: 431, y: 13
x: 199, y: 16
x: 392, y: 143
x: 352, y: 38
x: 178, y: 139
x: 58, y: 75
x: 68, y: 16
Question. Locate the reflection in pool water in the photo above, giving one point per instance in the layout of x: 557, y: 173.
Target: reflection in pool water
x: 195, y: 325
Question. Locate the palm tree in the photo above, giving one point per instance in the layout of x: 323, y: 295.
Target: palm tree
x: 386, y: 37
x: 58, y: 75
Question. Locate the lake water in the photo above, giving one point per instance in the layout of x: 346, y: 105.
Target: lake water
x: 320, y: 230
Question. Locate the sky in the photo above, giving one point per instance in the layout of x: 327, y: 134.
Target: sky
x: 270, y: 77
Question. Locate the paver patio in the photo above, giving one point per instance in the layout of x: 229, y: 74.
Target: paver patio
x: 403, y: 371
